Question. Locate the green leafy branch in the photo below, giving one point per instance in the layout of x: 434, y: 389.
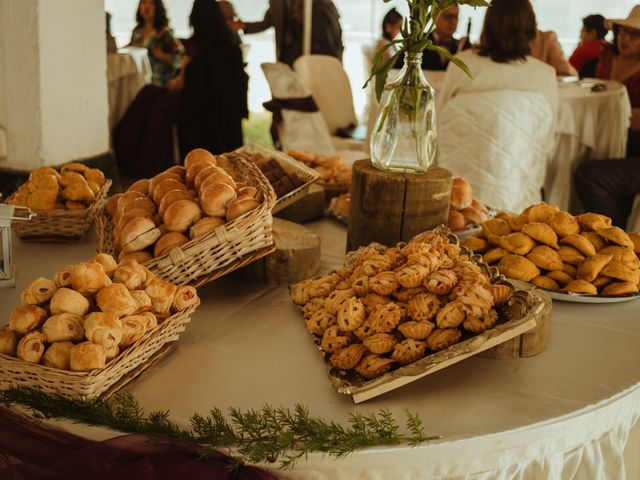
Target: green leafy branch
x: 268, y: 435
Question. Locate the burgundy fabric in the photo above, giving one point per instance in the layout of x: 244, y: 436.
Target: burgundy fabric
x: 34, y: 452
x: 276, y: 105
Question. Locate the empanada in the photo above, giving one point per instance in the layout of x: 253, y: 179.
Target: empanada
x: 563, y: 223
x: 541, y: 232
x: 602, y: 282
x: 616, y: 235
x: 580, y: 286
x: 546, y: 258
x: 570, y: 270
x: 562, y: 278
x: 545, y: 282
x: 494, y: 255
x: 635, y: 238
x: 516, y: 222
x: 542, y: 213
x: 620, y: 288
x: 475, y: 244
x: 495, y: 227
x: 580, y: 243
x: 570, y: 255
x: 518, y: 267
x: 596, y: 240
x: 517, y: 243
x: 617, y: 269
x: 591, y: 267
x: 622, y: 254
x: 593, y: 221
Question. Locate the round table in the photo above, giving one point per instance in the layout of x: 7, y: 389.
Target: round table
x: 566, y: 413
x: 590, y: 125
x: 128, y: 71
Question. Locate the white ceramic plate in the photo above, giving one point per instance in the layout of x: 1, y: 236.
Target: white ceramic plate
x: 579, y: 298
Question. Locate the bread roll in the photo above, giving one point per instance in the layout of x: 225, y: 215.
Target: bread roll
x: 103, y: 329
x: 26, y: 318
x: 112, y: 204
x: 194, y: 170
x: 198, y: 155
x: 116, y: 299
x: 178, y: 170
x: 41, y: 171
x: 461, y: 194
x: 79, y: 192
x: 31, y: 347
x: 138, y: 234
x: 141, y: 186
x: 66, y: 300
x: 58, y: 355
x: 107, y: 261
x: 87, y: 278
x: 238, y: 208
x: 166, y: 186
x: 162, y: 294
x: 38, y: 292
x: 456, y: 220
x: 131, y: 200
x: 255, y: 194
x: 473, y: 215
x: 184, y: 297
x: 74, y: 167
x: 218, y: 177
x: 8, y: 342
x: 69, y: 177
x: 95, y: 175
x: 205, y: 225
x: 171, y: 197
x: 133, y: 328
x: 204, y: 173
x: 168, y: 242
x: 87, y: 356
x: 95, y: 188
x: 44, y: 182
x: 215, y: 199
x: 121, y: 220
x: 63, y: 327
x: 140, y: 256
x: 181, y: 215
x: 155, y: 181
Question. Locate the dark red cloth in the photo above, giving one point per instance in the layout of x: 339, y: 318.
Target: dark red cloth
x: 586, y: 52
x: 632, y: 83
x: 29, y: 451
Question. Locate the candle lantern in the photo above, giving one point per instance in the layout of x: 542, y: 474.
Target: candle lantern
x: 8, y: 213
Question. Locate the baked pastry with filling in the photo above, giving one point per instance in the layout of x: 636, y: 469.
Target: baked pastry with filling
x: 320, y: 321
x: 494, y: 255
x: 8, y: 342
x: 348, y: 357
x: 620, y: 288
x: 546, y: 258
x: 541, y: 232
x: 580, y: 286
x: 441, y: 338
x: 87, y: 278
x: 31, y: 347
x: 133, y: 328
x: 384, y: 318
x: 87, y: 356
x: 545, y: 282
x: 451, y: 315
x: 591, y: 267
x: 596, y: 240
x: 103, y: 329
x: 518, y: 243
x: 561, y: 277
x: 58, y: 355
x: 26, y: 318
x: 542, y: 213
x: 332, y: 341
x: 117, y: 300
x: 580, y: 243
x: 616, y: 235
x: 570, y: 255
x: 162, y: 295
x: 184, y: 297
x: 563, y: 223
x: 408, y: 351
x: 518, y: 267
x: 351, y: 315
x: 593, y: 221
x: 38, y: 292
x: 423, y: 306
x: 415, y: 330
x: 63, y: 327
x: 66, y: 300
x: 617, y: 269
x: 372, y: 366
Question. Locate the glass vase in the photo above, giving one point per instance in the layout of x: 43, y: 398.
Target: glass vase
x: 404, y: 137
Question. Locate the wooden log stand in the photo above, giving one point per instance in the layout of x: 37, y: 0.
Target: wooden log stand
x: 307, y: 208
x: 391, y: 207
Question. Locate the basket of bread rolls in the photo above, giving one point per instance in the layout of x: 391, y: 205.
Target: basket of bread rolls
x: 581, y: 255
x: 65, y: 202
x: 194, y: 223
x: 92, y: 328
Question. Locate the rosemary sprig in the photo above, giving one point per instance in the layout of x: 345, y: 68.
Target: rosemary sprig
x: 269, y: 435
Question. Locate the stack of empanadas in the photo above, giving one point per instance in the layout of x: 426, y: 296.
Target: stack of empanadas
x: 395, y: 305
x: 74, y: 187
x: 90, y: 313
x: 178, y: 205
x: 557, y: 251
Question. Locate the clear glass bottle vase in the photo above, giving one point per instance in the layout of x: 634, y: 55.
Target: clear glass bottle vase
x: 404, y: 137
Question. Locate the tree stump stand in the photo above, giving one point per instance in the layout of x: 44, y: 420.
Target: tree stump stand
x: 389, y: 207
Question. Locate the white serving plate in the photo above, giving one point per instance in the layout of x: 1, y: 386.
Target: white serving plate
x: 580, y: 298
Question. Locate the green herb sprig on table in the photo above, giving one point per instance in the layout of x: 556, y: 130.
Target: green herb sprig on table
x: 269, y: 435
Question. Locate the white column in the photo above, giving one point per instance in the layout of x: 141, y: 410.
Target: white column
x: 53, y: 84
x: 306, y: 29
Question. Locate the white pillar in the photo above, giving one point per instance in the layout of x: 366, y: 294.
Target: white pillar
x: 53, y: 83
x: 306, y: 29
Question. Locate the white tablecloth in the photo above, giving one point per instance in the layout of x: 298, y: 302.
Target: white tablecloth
x: 128, y: 71
x: 565, y: 414
x: 591, y: 125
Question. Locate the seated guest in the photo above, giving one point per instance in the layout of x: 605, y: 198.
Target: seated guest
x: 621, y: 61
x: 153, y: 33
x: 546, y: 48
x: 591, y: 42
x: 391, y: 26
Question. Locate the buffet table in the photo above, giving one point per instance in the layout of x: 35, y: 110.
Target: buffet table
x: 567, y: 413
x: 128, y: 71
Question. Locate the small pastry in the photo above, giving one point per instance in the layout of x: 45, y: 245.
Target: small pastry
x: 142, y: 299
x: 371, y: 300
x: 95, y: 175
x: 617, y: 269
x: 384, y: 318
x: 616, y: 235
x: 150, y: 319
x: 184, y: 297
x: 320, y: 321
x: 26, y: 318
x: 365, y: 331
x: 205, y: 225
x: 560, y: 277
x: 69, y: 205
x: 440, y: 339
x: 87, y: 278
x: 348, y: 357
x: 546, y: 283
x: 408, y: 351
x: 380, y: 343
x: 111, y: 353
x: 131, y: 274
x: 384, y: 283
x: 475, y: 244
x: 451, y: 315
x: 194, y: 170
x: 541, y: 232
x: 165, y: 186
x: 580, y: 286
x: 441, y: 282
x: 216, y: 178
x: 596, y: 240
x: 87, y: 356
x: 542, y: 213
x: 517, y: 267
x: 351, y: 315
x: 332, y: 341
x: 58, y: 355
x: 591, y: 267
x: 112, y: 204
x: 546, y: 258
x: 76, y: 167
x: 66, y: 300
x: 563, y: 223
x: 570, y: 254
x: 517, y: 243
x: 116, y: 299
x: 38, y: 292
x: 31, y: 347
x: 8, y: 342
x: 461, y: 196
x: 456, y: 220
x: 620, y: 288
x: 79, y: 192
x: 159, y: 178
x: 593, y: 221
x: 44, y: 182
x: 133, y: 328
x: 413, y: 329
x: 162, y: 295
x: 500, y: 293
x: 63, y: 327
x: 103, y: 329
x: 423, y: 306
x: 141, y: 256
x: 622, y: 254
x: 373, y: 366
x: 168, y: 242
x: 107, y: 261
x: 479, y: 324
x: 412, y: 276
x: 580, y: 243
x: 497, y: 227
x: 171, y: 197
x: 42, y: 171
x: 494, y: 255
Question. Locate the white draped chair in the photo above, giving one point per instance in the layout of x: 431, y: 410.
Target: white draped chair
x: 633, y: 224
x: 499, y: 141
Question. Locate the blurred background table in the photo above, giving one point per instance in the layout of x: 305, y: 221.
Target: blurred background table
x: 128, y: 71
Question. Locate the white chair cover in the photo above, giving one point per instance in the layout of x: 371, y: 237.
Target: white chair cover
x: 499, y: 142
x: 299, y: 130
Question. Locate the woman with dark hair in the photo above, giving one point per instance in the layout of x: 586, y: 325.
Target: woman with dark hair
x: 502, y: 61
x: 153, y: 33
x: 591, y: 42
x: 391, y: 26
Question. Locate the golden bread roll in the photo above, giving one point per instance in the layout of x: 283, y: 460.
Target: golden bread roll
x: 237, y: 208
x: 66, y: 300
x: 133, y: 328
x: 140, y: 256
x: 8, y: 342
x: 252, y: 193
x: 130, y: 214
x: 103, y: 329
x: 619, y: 270
x: 63, y: 327
x: 620, y: 288
x: 112, y: 204
x: 461, y: 195
x: 107, y: 261
x: 69, y: 177
x: 41, y: 171
x: 544, y: 282
x: 42, y: 200
x: 590, y: 268
x: 215, y: 199
x: 563, y: 223
x: 155, y: 181
x: 96, y: 176
x: 542, y: 233
x: 87, y: 278
x: 31, y: 347
x: 138, y: 201
x: 194, y: 170
x: 79, y: 192
x: 616, y: 235
x: 216, y: 178
x: 593, y: 221
x: 475, y: 244
x: 542, y: 213
x: 74, y: 167
x: 87, y: 356
x: 168, y: 242
x: 561, y: 277
x: 165, y: 186
x: 546, y: 258
x: 456, y: 220
x: 198, y: 155
x: 517, y: 242
x: 203, y: 174
x: 184, y: 297
x: 171, y: 197
x: 162, y: 294
x: 95, y: 188
x: 580, y: 286
x: 26, y: 318
x: 178, y: 170
x: 38, y: 292
x: 518, y: 267
x: 494, y: 255
x: 580, y: 243
x: 205, y: 225
x: 116, y: 299
x: 570, y: 255
x: 141, y: 186
x: 596, y: 240
x: 57, y: 355
x: 139, y: 234
x: 181, y: 215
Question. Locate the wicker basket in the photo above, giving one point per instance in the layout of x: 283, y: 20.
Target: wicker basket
x: 15, y: 372
x: 61, y: 225
x: 217, y: 253
x: 292, y: 167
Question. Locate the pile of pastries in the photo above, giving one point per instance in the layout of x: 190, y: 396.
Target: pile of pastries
x: 395, y: 305
x: 282, y: 181
x: 557, y: 251
x: 465, y: 211
x: 178, y: 205
x: 333, y: 171
x: 74, y: 187
x: 90, y: 313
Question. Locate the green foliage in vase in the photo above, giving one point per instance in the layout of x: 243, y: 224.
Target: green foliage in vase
x: 416, y: 29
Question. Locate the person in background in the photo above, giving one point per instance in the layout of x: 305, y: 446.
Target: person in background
x: 112, y: 47
x: 391, y: 26
x: 446, y: 27
x: 591, y: 42
x: 621, y: 61
x: 286, y: 17
x: 153, y: 33
x: 230, y: 16
x: 546, y: 48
